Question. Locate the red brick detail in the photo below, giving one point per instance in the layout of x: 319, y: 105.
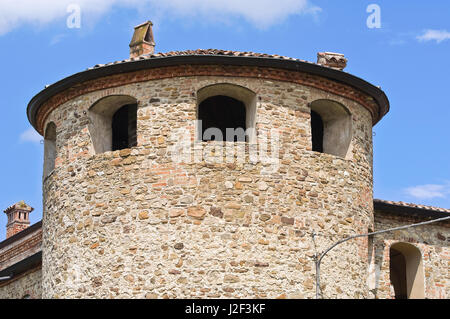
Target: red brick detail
x: 26, y: 245
x: 15, y: 228
x: 116, y: 80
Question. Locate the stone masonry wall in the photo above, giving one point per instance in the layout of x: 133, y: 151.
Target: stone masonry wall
x: 432, y: 241
x: 27, y: 284
x: 135, y: 224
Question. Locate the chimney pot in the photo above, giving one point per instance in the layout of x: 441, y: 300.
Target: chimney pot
x: 18, y: 218
x: 142, y: 42
x: 332, y: 60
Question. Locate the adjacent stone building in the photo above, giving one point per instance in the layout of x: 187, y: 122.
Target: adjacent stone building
x: 149, y: 194
x: 21, y: 255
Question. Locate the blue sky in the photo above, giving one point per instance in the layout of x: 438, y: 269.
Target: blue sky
x: 408, y: 57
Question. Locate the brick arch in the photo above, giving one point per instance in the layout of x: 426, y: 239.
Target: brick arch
x: 266, y: 73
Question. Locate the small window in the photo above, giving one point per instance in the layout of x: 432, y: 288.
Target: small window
x: 223, y: 119
x: 331, y: 127
x: 113, y: 123
x: 226, y: 112
x: 49, y: 149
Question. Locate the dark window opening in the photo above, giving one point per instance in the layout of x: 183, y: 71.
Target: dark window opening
x: 223, y: 112
x: 124, y: 125
x: 317, y: 132
x: 49, y: 149
x: 398, y: 274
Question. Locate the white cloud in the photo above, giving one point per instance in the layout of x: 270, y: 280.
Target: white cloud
x: 434, y: 35
x: 30, y: 135
x: 261, y: 13
x: 14, y: 13
x: 429, y: 191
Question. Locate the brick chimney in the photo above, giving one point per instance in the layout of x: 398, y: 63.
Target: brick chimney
x: 332, y: 60
x: 142, y: 41
x: 18, y: 218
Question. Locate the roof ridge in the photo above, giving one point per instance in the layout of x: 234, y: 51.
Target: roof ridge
x: 202, y: 52
x: 412, y: 205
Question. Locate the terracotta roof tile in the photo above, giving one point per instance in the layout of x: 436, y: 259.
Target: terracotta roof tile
x: 403, y: 204
x: 201, y: 52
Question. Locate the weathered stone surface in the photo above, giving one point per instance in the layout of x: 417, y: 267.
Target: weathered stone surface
x: 125, y: 152
x: 216, y: 212
x: 230, y: 279
x: 228, y: 185
x: 29, y: 285
x: 261, y: 264
x: 108, y: 219
x: 262, y: 186
x: 196, y: 212
x: 174, y: 272
x: 144, y: 215
x: 176, y: 213
x: 221, y: 212
x: 179, y: 246
x: 287, y: 221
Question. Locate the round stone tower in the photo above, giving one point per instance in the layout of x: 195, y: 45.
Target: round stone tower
x: 147, y: 195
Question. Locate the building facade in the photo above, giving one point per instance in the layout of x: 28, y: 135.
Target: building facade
x: 148, y: 195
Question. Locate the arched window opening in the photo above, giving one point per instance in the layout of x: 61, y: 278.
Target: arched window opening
x: 331, y: 127
x: 49, y: 149
x: 113, y: 123
x: 406, y: 271
x: 226, y: 112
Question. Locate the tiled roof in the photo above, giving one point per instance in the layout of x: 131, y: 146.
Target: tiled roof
x: 202, y: 52
x: 410, y: 205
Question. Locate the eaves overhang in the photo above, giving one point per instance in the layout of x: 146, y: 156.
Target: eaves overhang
x: 22, y: 266
x: 164, y: 61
